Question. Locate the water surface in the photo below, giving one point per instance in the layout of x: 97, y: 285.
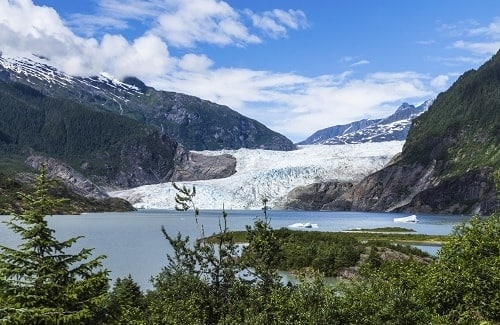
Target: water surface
x: 134, y: 244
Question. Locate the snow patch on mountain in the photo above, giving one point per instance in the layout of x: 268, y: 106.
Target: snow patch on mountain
x: 270, y: 174
x: 392, y: 128
x: 37, y: 67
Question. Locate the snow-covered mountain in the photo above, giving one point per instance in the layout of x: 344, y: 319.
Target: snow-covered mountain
x: 195, y: 123
x: 272, y: 175
x: 36, y: 70
x: 392, y: 128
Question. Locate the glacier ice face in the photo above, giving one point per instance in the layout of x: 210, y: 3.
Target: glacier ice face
x: 270, y: 174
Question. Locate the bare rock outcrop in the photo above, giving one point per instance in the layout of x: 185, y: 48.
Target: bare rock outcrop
x: 415, y: 188
x: 70, y: 177
x: 191, y: 166
x: 316, y: 196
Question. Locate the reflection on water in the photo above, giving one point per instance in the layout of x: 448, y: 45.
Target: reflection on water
x: 134, y: 244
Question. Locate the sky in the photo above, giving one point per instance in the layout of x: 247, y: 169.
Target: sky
x: 296, y: 66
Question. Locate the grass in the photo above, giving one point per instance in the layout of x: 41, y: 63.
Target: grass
x: 364, y: 235
x: 383, y: 229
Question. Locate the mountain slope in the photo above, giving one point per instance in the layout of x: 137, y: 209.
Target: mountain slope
x: 195, y: 123
x: 449, y: 157
x: 392, y: 128
x: 109, y: 149
x: 319, y: 137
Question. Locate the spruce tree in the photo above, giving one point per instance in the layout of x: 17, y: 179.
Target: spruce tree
x: 40, y: 282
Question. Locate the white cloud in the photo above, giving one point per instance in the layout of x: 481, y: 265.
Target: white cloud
x: 360, y: 62
x: 146, y: 56
x: 440, y: 82
x: 492, y: 30
x: 286, y: 102
x: 132, y: 9
x: 479, y: 41
x: 193, y: 62
x: 186, y: 23
x: 276, y: 23
x: 115, y: 15
x: 87, y: 24
x: 478, y: 47
x: 459, y: 60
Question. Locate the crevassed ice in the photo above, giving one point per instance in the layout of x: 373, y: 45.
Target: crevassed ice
x: 271, y: 174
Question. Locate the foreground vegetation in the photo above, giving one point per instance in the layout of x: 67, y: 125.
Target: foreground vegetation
x: 213, y: 282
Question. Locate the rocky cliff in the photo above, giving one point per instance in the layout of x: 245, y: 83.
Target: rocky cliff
x: 317, y: 196
x: 191, y: 166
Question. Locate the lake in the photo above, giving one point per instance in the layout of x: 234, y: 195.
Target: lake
x: 134, y: 244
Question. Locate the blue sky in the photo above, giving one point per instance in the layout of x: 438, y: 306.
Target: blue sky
x: 296, y: 66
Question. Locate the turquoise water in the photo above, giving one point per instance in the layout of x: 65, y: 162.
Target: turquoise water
x: 134, y: 244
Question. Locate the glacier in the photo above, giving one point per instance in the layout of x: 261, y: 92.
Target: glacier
x: 270, y: 174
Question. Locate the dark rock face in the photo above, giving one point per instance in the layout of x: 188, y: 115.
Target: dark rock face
x: 141, y: 164
x: 317, y: 196
x: 190, y: 166
x: 418, y: 189
x: 203, y: 125
x: 403, y: 188
x: 473, y: 192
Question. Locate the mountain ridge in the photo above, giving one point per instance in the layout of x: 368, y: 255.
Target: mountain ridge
x: 395, y: 127
x: 195, y: 123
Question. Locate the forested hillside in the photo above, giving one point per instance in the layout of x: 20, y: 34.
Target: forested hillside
x: 462, y: 127
x: 104, y: 146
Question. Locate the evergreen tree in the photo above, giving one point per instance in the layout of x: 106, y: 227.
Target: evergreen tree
x: 263, y: 251
x: 40, y: 282
x: 200, y: 276
x: 126, y: 302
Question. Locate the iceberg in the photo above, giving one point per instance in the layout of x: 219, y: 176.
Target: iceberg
x: 306, y: 225
x: 412, y: 218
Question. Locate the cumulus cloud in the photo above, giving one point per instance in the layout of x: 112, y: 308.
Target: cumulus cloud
x: 193, y: 62
x: 185, y: 23
x: 188, y: 22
